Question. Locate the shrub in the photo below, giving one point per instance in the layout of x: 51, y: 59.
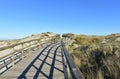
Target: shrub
x: 98, y: 61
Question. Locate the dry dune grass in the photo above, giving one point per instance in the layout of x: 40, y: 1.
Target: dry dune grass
x: 95, y: 59
x: 98, y: 62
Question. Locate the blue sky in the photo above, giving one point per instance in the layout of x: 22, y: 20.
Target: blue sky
x: 20, y: 18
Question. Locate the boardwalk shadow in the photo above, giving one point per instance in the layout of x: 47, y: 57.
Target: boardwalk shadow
x: 42, y: 64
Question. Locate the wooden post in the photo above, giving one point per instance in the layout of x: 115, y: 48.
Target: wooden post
x: 22, y: 51
x: 29, y: 49
x: 13, y: 56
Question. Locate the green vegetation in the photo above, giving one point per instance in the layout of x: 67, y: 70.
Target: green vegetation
x: 97, y: 59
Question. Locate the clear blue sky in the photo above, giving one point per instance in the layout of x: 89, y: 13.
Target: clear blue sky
x: 20, y: 18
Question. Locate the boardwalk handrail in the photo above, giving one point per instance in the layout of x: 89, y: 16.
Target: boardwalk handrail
x: 74, y: 72
x: 16, y: 44
x: 13, y: 45
x: 16, y: 56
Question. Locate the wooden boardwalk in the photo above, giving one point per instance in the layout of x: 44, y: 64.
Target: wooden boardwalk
x: 45, y: 63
